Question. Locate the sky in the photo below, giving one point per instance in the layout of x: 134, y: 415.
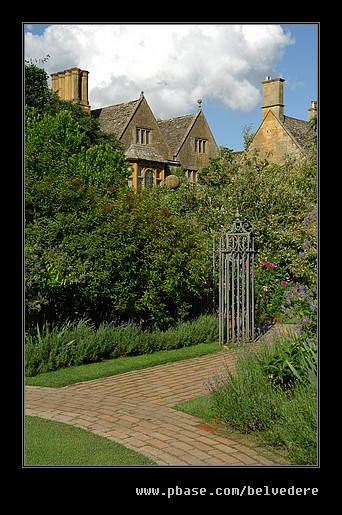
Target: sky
x: 175, y: 64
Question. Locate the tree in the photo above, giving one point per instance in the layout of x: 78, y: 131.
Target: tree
x: 72, y: 175
x: 37, y: 92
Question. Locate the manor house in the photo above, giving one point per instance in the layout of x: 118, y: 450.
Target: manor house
x: 152, y: 146
x: 155, y: 147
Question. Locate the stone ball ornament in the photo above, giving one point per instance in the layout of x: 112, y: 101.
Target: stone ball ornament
x: 172, y: 182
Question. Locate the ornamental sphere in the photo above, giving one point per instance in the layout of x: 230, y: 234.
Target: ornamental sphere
x: 172, y: 182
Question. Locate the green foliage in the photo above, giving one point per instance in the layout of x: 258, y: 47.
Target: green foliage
x: 219, y: 173
x: 124, y: 258
x: 280, y: 202
x: 270, y: 283
x: 301, y: 307
x: 245, y: 400
x: 296, y: 429
x: 77, y: 343
x: 43, y: 101
x: 248, y: 136
x: 297, y: 362
x: 251, y: 399
x: 37, y: 92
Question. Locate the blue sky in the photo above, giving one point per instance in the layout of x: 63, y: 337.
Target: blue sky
x: 299, y: 67
x: 180, y: 68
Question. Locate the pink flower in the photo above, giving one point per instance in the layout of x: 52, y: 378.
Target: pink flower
x: 297, y: 286
x: 264, y: 288
x: 283, y: 283
x: 265, y: 262
x: 272, y: 265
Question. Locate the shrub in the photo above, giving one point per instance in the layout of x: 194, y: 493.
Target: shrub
x: 301, y: 307
x: 245, y: 399
x: 80, y: 342
x: 294, y: 362
x: 296, y: 428
x: 270, y: 283
x: 129, y: 259
x: 250, y: 400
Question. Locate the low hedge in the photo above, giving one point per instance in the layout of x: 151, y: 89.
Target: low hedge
x: 80, y: 343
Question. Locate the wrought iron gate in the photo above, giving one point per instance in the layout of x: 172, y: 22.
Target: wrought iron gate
x: 233, y: 261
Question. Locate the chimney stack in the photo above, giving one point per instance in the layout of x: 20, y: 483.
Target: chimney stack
x: 273, y: 97
x: 312, y: 110
x: 72, y: 85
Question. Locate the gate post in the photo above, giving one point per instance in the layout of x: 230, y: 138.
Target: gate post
x: 235, y: 282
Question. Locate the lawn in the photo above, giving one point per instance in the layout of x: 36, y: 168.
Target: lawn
x: 52, y: 443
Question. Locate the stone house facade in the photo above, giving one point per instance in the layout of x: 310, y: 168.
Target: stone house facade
x: 152, y: 147
x: 155, y: 147
x: 280, y: 136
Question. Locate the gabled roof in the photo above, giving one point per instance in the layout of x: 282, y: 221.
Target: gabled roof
x: 115, y: 118
x: 298, y: 129
x: 176, y: 129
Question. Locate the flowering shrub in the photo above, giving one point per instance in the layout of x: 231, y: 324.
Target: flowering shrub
x: 301, y: 299
x: 270, y: 283
x: 301, y: 307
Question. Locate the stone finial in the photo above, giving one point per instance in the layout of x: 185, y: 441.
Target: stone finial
x: 199, y: 102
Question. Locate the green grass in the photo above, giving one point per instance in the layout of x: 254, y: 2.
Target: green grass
x: 52, y: 443
x: 110, y: 367
x: 201, y: 407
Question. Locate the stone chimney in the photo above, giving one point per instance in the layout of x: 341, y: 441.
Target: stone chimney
x: 72, y: 85
x: 312, y: 110
x: 273, y: 97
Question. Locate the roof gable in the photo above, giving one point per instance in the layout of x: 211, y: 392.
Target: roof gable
x: 176, y: 130
x: 116, y: 118
x: 297, y: 130
x: 278, y: 138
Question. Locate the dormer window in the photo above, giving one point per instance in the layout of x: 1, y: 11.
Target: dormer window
x: 142, y: 136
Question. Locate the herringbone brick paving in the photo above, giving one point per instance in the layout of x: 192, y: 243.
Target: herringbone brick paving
x: 136, y: 410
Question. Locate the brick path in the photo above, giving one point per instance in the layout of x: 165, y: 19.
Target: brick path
x: 135, y: 409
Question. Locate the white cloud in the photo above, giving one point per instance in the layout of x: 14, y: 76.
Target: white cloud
x: 173, y: 64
